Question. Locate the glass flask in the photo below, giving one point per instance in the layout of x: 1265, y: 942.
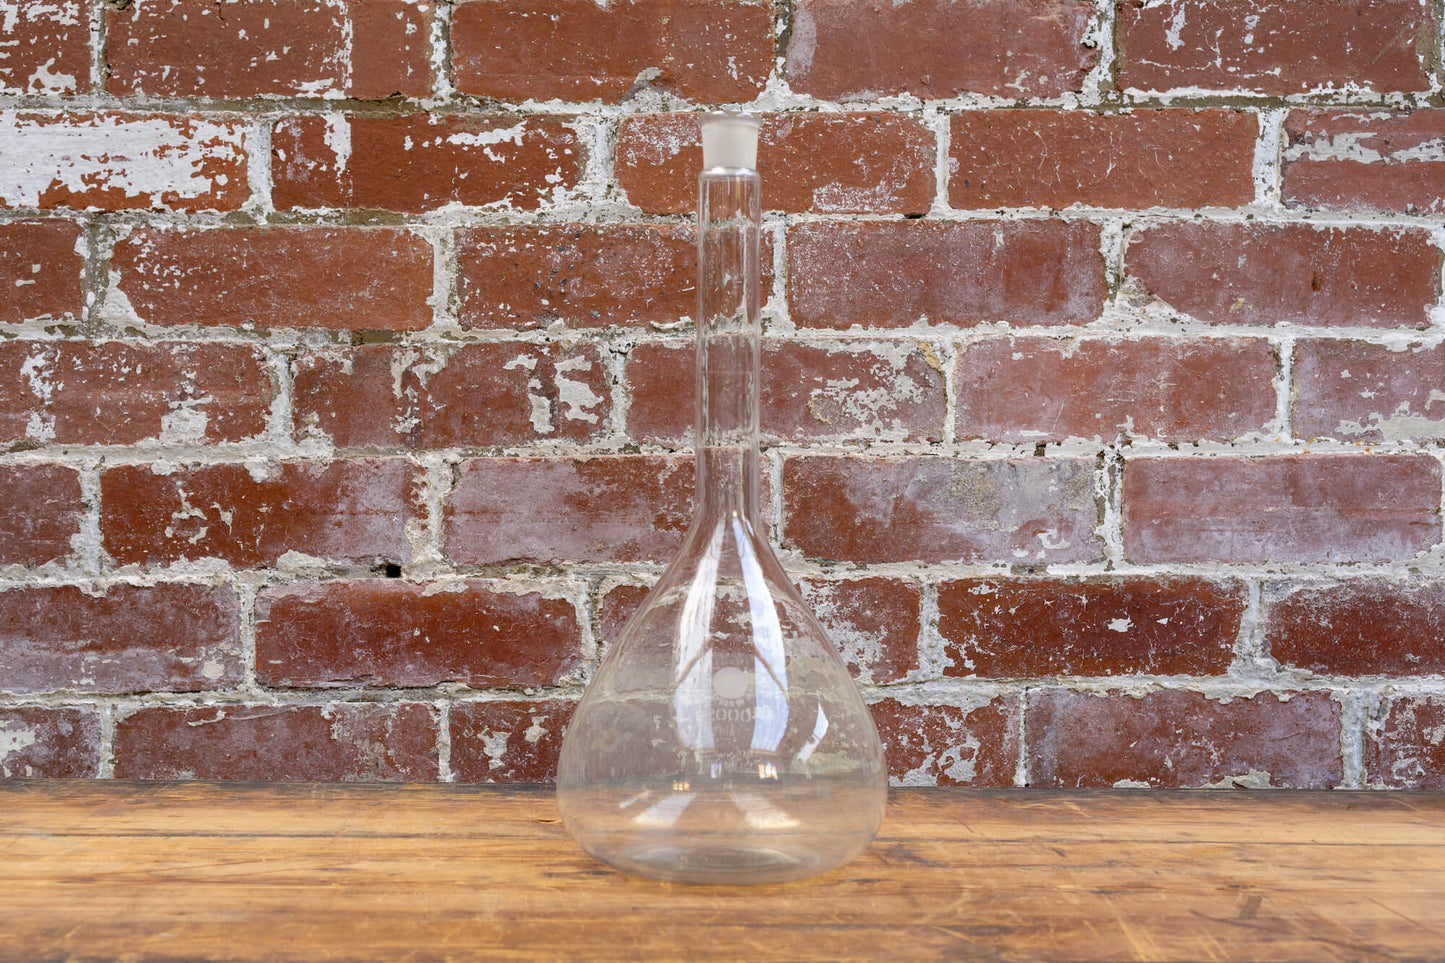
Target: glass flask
x: 722, y: 739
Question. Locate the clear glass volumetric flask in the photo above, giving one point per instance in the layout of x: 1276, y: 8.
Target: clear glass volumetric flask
x: 722, y: 739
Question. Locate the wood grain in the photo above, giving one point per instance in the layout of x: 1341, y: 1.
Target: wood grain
x: 200, y: 871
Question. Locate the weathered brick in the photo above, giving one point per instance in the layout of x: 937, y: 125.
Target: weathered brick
x: 1368, y: 627
x: 580, y: 275
x: 622, y: 508
x: 44, y: 742
x: 1145, y: 158
x: 613, y: 611
x: 847, y: 50
x: 353, y: 510
x: 366, y: 49
x: 39, y: 270
x: 873, y: 622
x: 420, y: 162
x: 278, y: 277
x: 1296, y: 273
x: 507, y: 741
x: 116, y: 161
x: 384, y: 632
x: 891, y: 274
x: 119, y: 393
x: 1363, y: 160
x: 1039, y: 389
x: 46, y: 49
x: 846, y: 163
x: 1368, y: 392
x: 1406, y: 750
x: 372, y: 742
x: 1023, y: 628
x: 1275, y: 46
x: 890, y: 391
x: 1172, y: 739
x: 168, y: 637
x: 1022, y: 511
x: 710, y: 51
x: 473, y: 396
x: 944, y: 745
x: 40, y: 513
x: 1288, y: 508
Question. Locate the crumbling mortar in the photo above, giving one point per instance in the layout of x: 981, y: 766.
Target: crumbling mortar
x: 1284, y: 388
x: 248, y: 585
x: 106, y: 768
x: 444, y: 740
x: 932, y: 657
x: 1021, y: 763
x: 1352, y: 737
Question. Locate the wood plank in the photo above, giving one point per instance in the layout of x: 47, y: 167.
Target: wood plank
x: 294, y: 871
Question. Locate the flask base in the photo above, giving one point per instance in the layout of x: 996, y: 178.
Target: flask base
x: 725, y: 832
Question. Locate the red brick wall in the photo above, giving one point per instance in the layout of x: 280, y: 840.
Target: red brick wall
x: 345, y: 376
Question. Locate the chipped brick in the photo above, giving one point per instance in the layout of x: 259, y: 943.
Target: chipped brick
x: 1175, y: 739
x: 169, y: 637
x: 372, y: 742
x: 382, y: 633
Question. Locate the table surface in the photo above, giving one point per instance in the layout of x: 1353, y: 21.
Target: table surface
x: 202, y: 871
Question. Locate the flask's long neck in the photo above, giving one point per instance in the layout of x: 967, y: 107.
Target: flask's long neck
x: 729, y: 301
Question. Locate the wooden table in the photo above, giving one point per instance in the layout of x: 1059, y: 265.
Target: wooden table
x: 191, y: 871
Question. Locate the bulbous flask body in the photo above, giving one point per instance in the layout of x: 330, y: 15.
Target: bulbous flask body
x: 722, y: 739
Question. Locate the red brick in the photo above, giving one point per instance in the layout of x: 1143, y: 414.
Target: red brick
x: 873, y: 622
x: 46, y: 48
x: 116, y: 161
x: 49, y: 743
x: 167, y: 637
x: 278, y: 277
x: 1288, y: 508
x: 372, y: 742
x: 613, y: 611
x: 384, y: 632
x: 40, y: 514
x: 1146, y: 158
x: 507, y: 741
x: 1021, y: 511
x: 809, y: 392
x: 420, y: 162
x: 39, y: 270
x: 1295, y: 273
x: 893, y: 274
x: 1368, y: 392
x: 1173, y: 739
x: 1363, y: 160
x: 1275, y: 46
x: 622, y: 508
x: 118, y: 393
x: 1406, y: 750
x: 847, y: 163
x: 848, y: 50
x: 710, y: 51
x: 1039, y: 389
x: 289, y: 48
x: 352, y: 510
x: 583, y: 276
x: 1020, y: 628
x: 942, y: 745
x: 473, y: 396
x: 1368, y: 627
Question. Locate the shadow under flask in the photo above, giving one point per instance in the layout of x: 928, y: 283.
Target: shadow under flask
x: 722, y: 739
